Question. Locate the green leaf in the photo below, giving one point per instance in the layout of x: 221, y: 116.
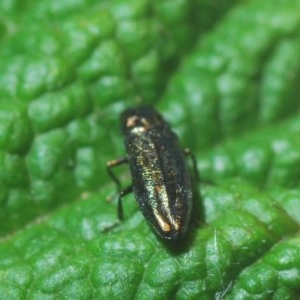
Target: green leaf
x: 225, y: 75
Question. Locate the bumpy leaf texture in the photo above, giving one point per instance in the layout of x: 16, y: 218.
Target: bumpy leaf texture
x: 224, y: 74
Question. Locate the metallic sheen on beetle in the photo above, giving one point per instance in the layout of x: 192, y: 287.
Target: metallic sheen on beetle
x: 160, y: 179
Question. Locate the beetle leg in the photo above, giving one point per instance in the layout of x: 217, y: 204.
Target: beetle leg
x: 114, y: 163
x: 123, y: 193
x: 187, y: 151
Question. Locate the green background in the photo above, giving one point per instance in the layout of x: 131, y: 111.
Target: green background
x: 225, y: 74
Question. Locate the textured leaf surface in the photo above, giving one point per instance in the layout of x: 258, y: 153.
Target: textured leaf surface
x: 225, y: 76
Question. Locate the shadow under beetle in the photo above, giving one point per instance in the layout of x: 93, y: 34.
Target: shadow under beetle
x: 160, y: 179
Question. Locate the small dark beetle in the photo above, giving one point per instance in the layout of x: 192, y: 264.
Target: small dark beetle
x: 160, y: 179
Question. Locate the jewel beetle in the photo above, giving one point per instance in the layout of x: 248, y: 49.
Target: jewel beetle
x: 161, y: 181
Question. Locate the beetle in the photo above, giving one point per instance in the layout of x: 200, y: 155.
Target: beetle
x: 161, y: 182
